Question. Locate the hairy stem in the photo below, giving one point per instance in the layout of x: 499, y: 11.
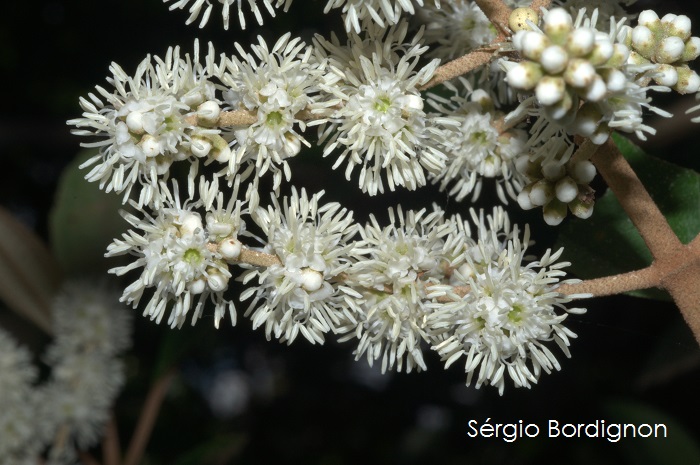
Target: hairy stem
x: 636, y: 201
x: 610, y: 285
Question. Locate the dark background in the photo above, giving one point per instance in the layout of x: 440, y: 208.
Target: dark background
x: 634, y: 359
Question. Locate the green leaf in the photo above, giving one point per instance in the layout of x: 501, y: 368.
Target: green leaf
x: 678, y: 446
x: 29, y: 274
x: 608, y: 243
x: 83, y: 221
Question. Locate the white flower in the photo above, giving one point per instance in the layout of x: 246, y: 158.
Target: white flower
x: 455, y: 28
x: 196, y: 9
x: 379, y: 123
x: 276, y: 85
x: 144, y: 126
x: 303, y: 293
x: 500, y: 326
x: 477, y: 149
x: 355, y: 12
x: 180, y: 258
x: 400, y: 278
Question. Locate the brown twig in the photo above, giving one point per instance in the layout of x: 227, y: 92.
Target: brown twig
x: 636, y: 201
x: 611, y: 285
x: 147, y: 420
x: 111, y: 450
x: 498, y: 13
x: 537, y: 5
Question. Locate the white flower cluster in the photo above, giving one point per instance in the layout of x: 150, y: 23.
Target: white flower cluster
x: 567, y: 63
x: 69, y: 410
x: 378, y: 120
x: 304, y: 292
x: 478, y: 148
x: 509, y: 311
x: 666, y: 42
x: 183, y: 259
x: 557, y: 187
x: 144, y: 123
x: 277, y: 86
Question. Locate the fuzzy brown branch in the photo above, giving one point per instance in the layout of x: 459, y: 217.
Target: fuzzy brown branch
x: 460, y: 66
x: 147, y: 420
x: 610, y: 285
x: 537, y: 5
x: 636, y: 201
x: 498, y: 13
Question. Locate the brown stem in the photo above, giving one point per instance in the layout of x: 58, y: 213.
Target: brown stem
x: 537, y: 5
x: 460, y: 66
x: 147, y: 420
x: 683, y: 283
x: 610, y: 285
x: 636, y: 201
x: 87, y: 459
x: 111, y: 454
x: 498, y: 13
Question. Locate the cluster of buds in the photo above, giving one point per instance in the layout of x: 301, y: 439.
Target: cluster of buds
x: 668, y: 43
x: 563, y: 64
x: 557, y: 187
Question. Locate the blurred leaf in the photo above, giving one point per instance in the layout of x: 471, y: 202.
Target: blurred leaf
x: 674, y: 354
x: 679, y: 447
x: 608, y: 243
x: 29, y: 275
x: 83, y: 221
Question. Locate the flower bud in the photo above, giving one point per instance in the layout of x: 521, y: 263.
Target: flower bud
x: 619, y: 57
x: 688, y: 80
x: 541, y: 193
x: 579, y: 73
x: 134, y: 121
x: 519, y: 17
x: 670, y: 50
x: 208, y: 113
x: 580, y: 209
x: 533, y: 44
x: 311, y: 280
x: 550, y: 90
x: 524, y: 199
x: 230, y: 249
x: 217, y: 281
x: 680, y: 27
x: 557, y: 25
x: 150, y: 146
x: 643, y: 40
x: 587, y: 119
x: 666, y: 75
x: 200, y: 146
x: 581, y: 41
x: 553, y: 171
x: 615, y: 80
x: 601, y: 53
x: 583, y: 172
x: 596, y: 90
x: 691, y: 50
x: 648, y: 18
x: 554, y: 59
x: 566, y: 189
x: 554, y: 212
x: 525, y: 75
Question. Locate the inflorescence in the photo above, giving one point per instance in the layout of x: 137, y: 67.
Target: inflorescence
x: 465, y: 289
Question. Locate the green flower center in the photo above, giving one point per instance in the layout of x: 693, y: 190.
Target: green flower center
x: 274, y: 118
x: 382, y: 104
x: 192, y: 256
